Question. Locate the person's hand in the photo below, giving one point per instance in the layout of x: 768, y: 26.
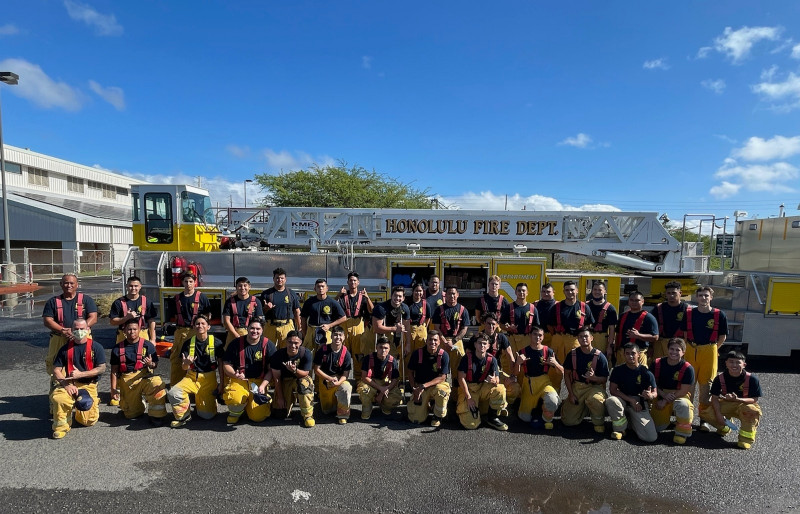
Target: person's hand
x: 188, y: 360
x: 71, y: 389
x: 416, y: 394
x: 637, y: 405
x: 239, y: 375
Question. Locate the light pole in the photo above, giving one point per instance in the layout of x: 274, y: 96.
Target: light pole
x: 11, y: 79
x: 245, y: 191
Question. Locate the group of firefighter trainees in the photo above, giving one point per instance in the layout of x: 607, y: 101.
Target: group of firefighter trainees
x: 278, y: 354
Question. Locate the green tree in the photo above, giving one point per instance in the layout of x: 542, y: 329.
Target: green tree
x: 342, y: 187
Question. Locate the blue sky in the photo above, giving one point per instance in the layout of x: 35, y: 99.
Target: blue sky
x: 656, y: 106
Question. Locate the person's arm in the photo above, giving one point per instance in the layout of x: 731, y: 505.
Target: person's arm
x: 226, y: 321
x: 94, y: 372
x: 91, y: 319
x: 152, y: 330
x: 297, y: 318
x: 220, y: 370
x: 51, y: 324
x: 568, y: 382
x: 229, y: 371
x: 633, y: 401
x: 64, y: 381
x: 379, y: 326
x: 462, y: 383
x: 276, y: 375
x: 324, y: 376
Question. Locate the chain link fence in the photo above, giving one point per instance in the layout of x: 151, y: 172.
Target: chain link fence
x: 31, y: 264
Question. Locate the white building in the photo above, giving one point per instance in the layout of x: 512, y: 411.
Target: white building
x: 56, y: 204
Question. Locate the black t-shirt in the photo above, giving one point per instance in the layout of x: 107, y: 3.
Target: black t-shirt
x: 674, y: 319
x: 572, y: 317
x: 203, y: 363
x: 131, y: 354
x: 321, y: 312
x: 479, y: 367
x: 426, y: 367
x: 302, y: 360
x: 667, y: 375
x: 332, y: 363
x: 583, y: 362
x: 98, y: 356
x: 610, y: 318
x: 379, y: 367
x: 256, y: 360
x: 536, y: 360
x: 736, y: 385
x: 632, y: 381
x: 284, y: 303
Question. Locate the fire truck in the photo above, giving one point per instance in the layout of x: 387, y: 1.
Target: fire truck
x: 175, y: 230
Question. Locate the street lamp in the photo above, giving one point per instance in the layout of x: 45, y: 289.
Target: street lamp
x: 245, y: 191
x: 11, y: 79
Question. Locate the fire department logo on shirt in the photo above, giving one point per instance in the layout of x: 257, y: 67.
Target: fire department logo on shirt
x: 435, y: 367
x: 439, y: 302
x: 675, y: 376
x: 258, y: 355
x: 528, y: 314
x: 326, y: 309
x: 578, y: 314
x: 286, y: 299
x: 639, y: 380
x: 456, y: 315
x: 542, y: 359
x: 710, y: 323
x: 679, y: 317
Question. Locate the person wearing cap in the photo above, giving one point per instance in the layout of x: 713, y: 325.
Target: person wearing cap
x: 332, y: 365
x: 674, y: 380
x: 76, y: 369
x: 479, y: 388
x: 61, y: 311
x: 533, y: 363
x: 585, y: 375
x: 320, y: 311
x: 239, y: 309
x: 291, y: 372
x: 380, y: 379
x: 281, y: 307
x: 632, y: 387
x: 202, y: 360
x: 734, y: 394
x: 133, y: 360
x: 357, y: 307
x: 132, y: 306
x: 184, y: 307
x: 246, y: 367
x: 428, y: 368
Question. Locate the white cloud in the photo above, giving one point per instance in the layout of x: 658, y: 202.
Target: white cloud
x: 366, y: 62
x: 486, y: 200
x: 786, y: 91
x: 580, y: 141
x: 35, y: 85
x: 725, y: 190
x: 703, y: 52
x: 771, y: 178
x: 103, y: 24
x: 238, y: 151
x: 717, y: 86
x: 736, y: 44
x: 8, y: 30
x: 725, y: 138
x: 113, y: 95
x: 656, y: 64
x: 223, y: 192
x: 284, y: 160
x: 796, y: 52
x: 769, y: 74
x: 779, y: 147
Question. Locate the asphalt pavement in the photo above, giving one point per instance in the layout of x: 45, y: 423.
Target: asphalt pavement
x: 384, y: 465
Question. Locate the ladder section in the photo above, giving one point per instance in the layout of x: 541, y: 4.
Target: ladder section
x: 632, y: 239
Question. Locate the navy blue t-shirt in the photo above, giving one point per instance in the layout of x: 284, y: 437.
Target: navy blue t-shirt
x: 256, y: 360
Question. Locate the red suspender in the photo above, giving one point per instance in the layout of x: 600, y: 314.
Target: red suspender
x: 599, y: 325
x: 445, y: 324
x: 250, y: 307
x: 123, y: 364
x: 423, y: 312
x: 241, y: 354
x: 485, y: 369
x: 485, y: 307
x: 124, y: 303
x: 439, y: 354
x: 545, y: 365
x: 559, y: 327
x: 387, y: 371
x: 574, y: 352
x: 690, y: 330
x: 745, y: 384
x: 636, y: 325
x: 325, y: 350
x: 347, y: 305
x: 87, y: 357
x: 60, y: 308
x: 195, y: 306
x: 660, y: 319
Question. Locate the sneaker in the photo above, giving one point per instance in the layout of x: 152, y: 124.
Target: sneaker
x: 180, y: 422
x: 436, y: 422
x: 59, y: 435
x: 679, y: 439
x: 114, y: 402
x: 156, y: 422
x: 232, y: 420
x: 537, y: 424
x: 600, y: 429
x: 497, y: 424
x: 722, y: 432
x: 309, y: 422
x: 548, y: 425
x: 705, y: 427
x: 743, y: 445
x: 341, y: 421
x: 615, y: 435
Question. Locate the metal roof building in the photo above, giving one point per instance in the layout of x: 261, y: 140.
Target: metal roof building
x: 59, y: 204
